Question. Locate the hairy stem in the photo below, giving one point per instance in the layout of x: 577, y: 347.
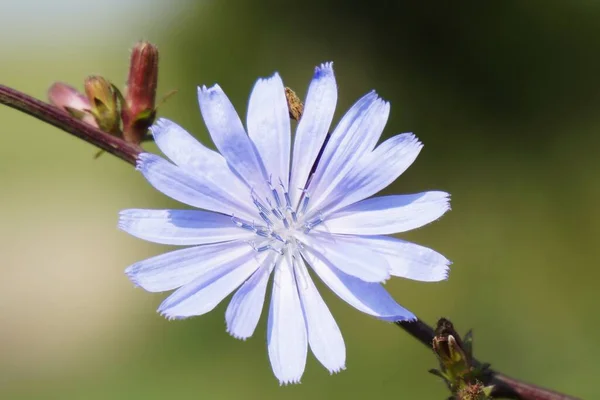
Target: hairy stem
x: 504, y: 386
x: 55, y: 116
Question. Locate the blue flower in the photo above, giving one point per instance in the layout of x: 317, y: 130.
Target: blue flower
x: 266, y: 215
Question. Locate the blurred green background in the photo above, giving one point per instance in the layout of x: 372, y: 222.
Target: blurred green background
x: 504, y: 95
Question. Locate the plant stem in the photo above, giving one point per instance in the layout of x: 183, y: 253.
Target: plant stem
x: 55, y: 116
x: 504, y: 386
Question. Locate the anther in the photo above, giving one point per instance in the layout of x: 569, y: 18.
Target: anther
x: 241, y: 224
x: 259, y: 205
x: 288, y: 202
x: 260, y: 249
x: 275, y: 194
x: 277, y: 213
x: 286, y: 195
x: 265, y: 218
x: 311, y: 224
x: 266, y: 233
x: 305, y: 200
x: 237, y: 221
x: 265, y: 247
x: 276, y: 236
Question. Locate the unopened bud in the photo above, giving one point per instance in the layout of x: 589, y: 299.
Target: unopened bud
x: 448, y: 350
x: 139, y: 110
x: 464, y: 376
x: 104, y: 100
x: 70, y: 100
x: 455, y: 363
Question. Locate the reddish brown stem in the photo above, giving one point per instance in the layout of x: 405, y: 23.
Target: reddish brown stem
x: 55, y: 116
x: 505, y: 387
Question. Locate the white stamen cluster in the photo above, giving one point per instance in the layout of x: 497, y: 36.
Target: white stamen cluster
x: 281, y: 220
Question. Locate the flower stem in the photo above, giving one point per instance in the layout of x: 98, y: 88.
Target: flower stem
x: 55, y: 116
x: 504, y: 387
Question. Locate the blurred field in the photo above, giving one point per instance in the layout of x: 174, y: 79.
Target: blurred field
x: 504, y: 97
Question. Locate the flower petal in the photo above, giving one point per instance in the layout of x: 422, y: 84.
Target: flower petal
x: 286, y: 333
x: 229, y: 136
x: 375, y: 171
x: 355, y: 136
x: 269, y: 126
x: 324, y: 336
x: 406, y: 260
x: 243, y: 312
x: 190, y: 189
x: 370, y: 298
x: 180, y: 227
x: 313, y: 127
x: 171, y: 270
x: 388, y: 214
x: 359, y: 262
x: 205, y: 292
x: 191, y: 155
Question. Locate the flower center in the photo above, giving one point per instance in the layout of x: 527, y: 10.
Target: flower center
x: 280, y: 221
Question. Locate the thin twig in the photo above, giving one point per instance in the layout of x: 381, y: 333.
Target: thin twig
x: 55, y: 116
x: 504, y: 386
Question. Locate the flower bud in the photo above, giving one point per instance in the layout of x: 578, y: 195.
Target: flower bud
x: 455, y: 363
x: 449, y: 351
x: 462, y: 374
x: 70, y: 100
x: 104, y: 100
x: 138, y: 112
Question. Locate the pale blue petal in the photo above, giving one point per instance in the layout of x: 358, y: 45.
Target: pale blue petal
x: 312, y: 129
x: 206, y: 291
x: 324, y: 336
x: 269, y: 127
x: 406, y: 260
x: 359, y: 262
x: 243, y: 312
x: 229, y: 136
x: 190, y: 189
x: 388, y: 214
x: 180, y: 227
x: 374, y: 172
x: 286, y: 332
x: 370, y: 298
x: 171, y: 270
x: 204, y: 164
x: 353, y: 138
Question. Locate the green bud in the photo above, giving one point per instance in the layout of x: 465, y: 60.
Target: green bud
x: 452, y: 358
x: 449, y: 349
x: 105, y: 103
